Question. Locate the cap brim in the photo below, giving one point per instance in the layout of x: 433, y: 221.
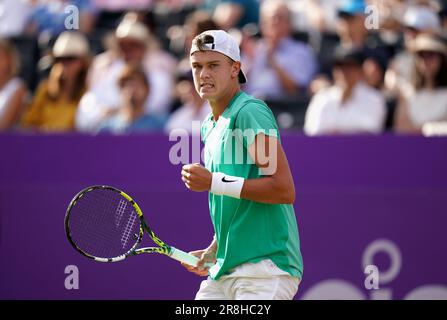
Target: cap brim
x: 349, y: 13
x: 344, y: 14
x: 241, y: 76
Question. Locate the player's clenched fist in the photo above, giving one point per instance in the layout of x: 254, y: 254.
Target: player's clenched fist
x: 196, y: 177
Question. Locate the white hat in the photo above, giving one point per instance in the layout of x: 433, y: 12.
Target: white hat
x: 129, y: 29
x: 219, y: 41
x: 422, y: 18
x: 71, y: 43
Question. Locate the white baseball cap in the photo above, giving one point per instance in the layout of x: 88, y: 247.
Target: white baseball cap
x: 219, y: 41
x: 422, y: 18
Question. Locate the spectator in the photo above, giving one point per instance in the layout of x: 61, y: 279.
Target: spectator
x: 416, y: 20
x: 131, y: 116
x: 351, y: 23
x: 353, y: 34
x: 55, y: 103
x: 280, y: 65
x: 426, y: 101
x: 134, y: 45
x: 193, y: 107
x: 350, y: 105
x: 12, y: 89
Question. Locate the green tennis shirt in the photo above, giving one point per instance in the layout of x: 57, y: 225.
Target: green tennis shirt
x: 247, y: 231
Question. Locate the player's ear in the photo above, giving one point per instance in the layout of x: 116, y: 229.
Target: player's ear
x: 236, y: 67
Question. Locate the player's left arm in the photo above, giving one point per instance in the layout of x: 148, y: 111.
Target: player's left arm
x: 275, y: 186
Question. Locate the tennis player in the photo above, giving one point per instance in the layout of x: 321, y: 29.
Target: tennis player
x: 256, y: 248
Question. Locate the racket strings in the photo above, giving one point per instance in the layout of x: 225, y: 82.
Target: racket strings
x: 102, y: 223
x: 128, y: 230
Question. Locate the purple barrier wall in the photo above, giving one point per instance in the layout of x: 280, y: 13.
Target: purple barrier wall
x: 360, y: 200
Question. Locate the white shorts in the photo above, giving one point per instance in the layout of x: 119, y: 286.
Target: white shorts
x: 251, y: 281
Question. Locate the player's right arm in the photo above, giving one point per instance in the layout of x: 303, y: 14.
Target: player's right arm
x: 205, y: 256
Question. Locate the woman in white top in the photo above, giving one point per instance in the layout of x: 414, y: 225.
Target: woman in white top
x: 12, y: 89
x: 426, y: 101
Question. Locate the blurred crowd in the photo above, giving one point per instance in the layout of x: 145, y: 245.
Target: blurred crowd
x: 323, y: 66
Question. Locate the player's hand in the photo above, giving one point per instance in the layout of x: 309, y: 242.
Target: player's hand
x: 205, y: 256
x: 196, y: 177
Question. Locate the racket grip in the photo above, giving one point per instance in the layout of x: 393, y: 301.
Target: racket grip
x: 187, y: 258
x: 184, y: 257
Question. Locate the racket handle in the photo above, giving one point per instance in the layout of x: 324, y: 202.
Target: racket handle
x: 187, y: 258
x: 184, y: 257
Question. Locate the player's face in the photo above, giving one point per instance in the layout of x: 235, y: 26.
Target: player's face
x: 213, y: 73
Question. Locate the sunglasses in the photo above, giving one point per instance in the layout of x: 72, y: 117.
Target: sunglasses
x: 427, y: 54
x: 66, y: 59
x: 345, y: 15
x: 411, y: 29
x: 130, y: 44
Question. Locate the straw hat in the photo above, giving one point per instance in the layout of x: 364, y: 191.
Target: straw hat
x: 71, y: 43
x: 130, y: 29
x: 428, y: 42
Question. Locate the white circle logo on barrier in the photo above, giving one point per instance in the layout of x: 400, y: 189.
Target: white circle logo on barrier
x: 342, y: 289
x: 393, y: 252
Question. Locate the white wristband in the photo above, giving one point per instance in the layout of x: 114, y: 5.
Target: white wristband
x: 223, y: 184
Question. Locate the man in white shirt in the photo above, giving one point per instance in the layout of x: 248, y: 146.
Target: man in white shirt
x: 350, y: 105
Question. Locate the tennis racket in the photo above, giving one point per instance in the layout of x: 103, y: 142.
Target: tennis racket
x: 106, y: 225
